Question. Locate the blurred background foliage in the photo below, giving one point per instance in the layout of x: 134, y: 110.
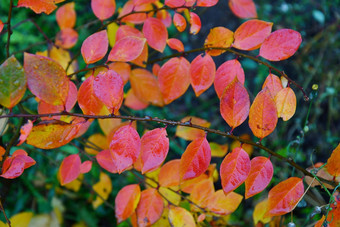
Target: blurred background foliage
x: 310, y: 135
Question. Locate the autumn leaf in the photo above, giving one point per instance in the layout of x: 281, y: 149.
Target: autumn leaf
x: 86, y: 166
x: 195, y: 159
x: 179, y: 216
x: 234, y: 169
x: 150, y: 207
x: 135, y: 18
x: 224, y: 204
x: 106, y: 161
x: 12, y: 82
x: 46, y: 79
x: 206, y: 3
x: 259, y: 212
x: 25, y: 130
x: 156, y: 33
x: 126, y: 201
x: 243, y: 8
x: 263, y: 114
x: 218, y: 150
x: 273, y: 83
x: 133, y: 102
x: 226, y: 74
x: 195, y: 23
x: 103, y: 188
x: 38, y: 6
x: 123, y: 69
x: 283, y: 198
x: 218, y: 37
x: 251, y: 34
x: 154, y: 149
x: 169, y: 174
x: 127, y: 49
x: 260, y: 175
x: 202, y: 73
x: 179, y: 22
x: 66, y: 16
x: 69, y: 169
x: 175, y: 44
x: 234, y: 104
x: 285, y: 101
x: 66, y: 38
x: 174, y: 3
x: 280, y: 45
x: 202, y: 193
x: 332, y: 165
x: 189, y: 133
x: 95, y: 47
x: 103, y: 9
x: 14, y: 166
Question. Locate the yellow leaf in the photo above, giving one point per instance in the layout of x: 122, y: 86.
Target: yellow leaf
x: 188, y: 133
x: 259, y: 211
x: 180, y: 217
x: 111, y: 31
x: 95, y: 143
x: 218, y: 150
x: 170, y: 195
x: 102, y: 188
x: 21, y: 219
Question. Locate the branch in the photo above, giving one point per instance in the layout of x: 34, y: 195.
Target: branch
x: 270, y: 67
x: 175, y: 123
x: 3, y: 211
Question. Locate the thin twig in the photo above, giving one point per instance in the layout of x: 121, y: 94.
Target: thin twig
x: 3, y: 211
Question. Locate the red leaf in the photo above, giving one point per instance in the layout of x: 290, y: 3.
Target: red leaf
x: 174, y: 3
x: 135, y: 18
x: 123, y: 69
x: 263, y: 115
x: 280, y: 45
x: 95, y: 47
x: 196, y: 159
x: 25, y: 131
x: 85, y: 167
x: 15, y: 169
x: 103, y: 9
x: 174, y: 78
x: 202, y: 73
x: 273, y: 83
x: 283, y: 197
x: 1, y: 25
x: 38, y: 6
x: 165, y: 17
x: 125, y: 30
x: 66, y: 38
x: 108, y: 87
x: 154, y: 149
x: 127, y: 49
x: 133, y: 102
x: 261, y: 173
x: 226, y: 73
x: 179, y: 22
x: 195, y: 23
x: 125, y: 147
x: 156, y: 33
x: 126, y: 201
x: 87, y: 100
x: 234, y: 169
x: 243, y: 8
x: 175, y: 44
x: 206, y: 3
x: 150, y: 207
x: 69, y: 169
x: 66, y: 16
x: 106, y: 161
x: 169, y: 174
x: 235, y: 104
x: 251, y: 34
x: 46, y: 79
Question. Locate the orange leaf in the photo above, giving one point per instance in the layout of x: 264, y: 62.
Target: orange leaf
x: 123, y: 69
x: 103, y: 9
x: 154, y: 149
x: 332, y: 165
x: 95, y: 47
x: 195, y: 23
x: 13, y: 82
x: 127, y: 49
x: 263, y: 114
x: 201, y: 193
x: 179, y: 216
x: 196, y: 159
x: 174, y: 3
x: 2, y: 152
x: 261, y: 173
x: 66, y: 16
x: 280, y: 45
x: 333, y: 219
x: 135, y: 18
x: 156, y: 33
x: 226, y: 73
x: 125, y: 147
x: 169, y: 174
x: 108, y: 87
x: 273, y: 83
x: 174, y: 78
x: 66, y: 38
x: 235, y: 104
x: 179, y: 22
x: 38, y: 6
x: 126, y: 201
x: 243, y: 8
x: 133, y: 102
x: 202, y: 73
x: 155, y: 69
x: 145, y: 87
x: 85, y: 167
x: 14, y: 166
x: 25, y: 131
x: 125, y: 30
x: 206, y: 3
x: 88, y: 102
x: 52, y: 134
x: 175, y: 44
x: 234, y: 169
x: 165, y: 17
x: 189, y: 133
x: 69, y: 169
x: 150, y: 207
x: 218, y: 37
x: 251, y: 34
x: 284, y: 196
x: 222, y: 204
x: 46, y: 79
x: 142, y: 58
x: 259, y: 212
x: 285, y: 101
